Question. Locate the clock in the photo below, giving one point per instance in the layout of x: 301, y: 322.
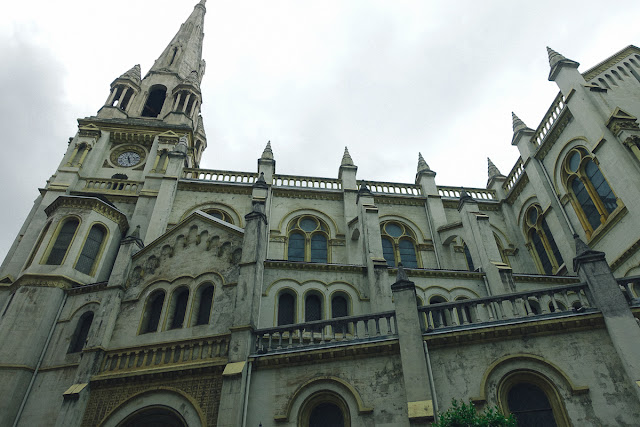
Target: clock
x: 128, y: 159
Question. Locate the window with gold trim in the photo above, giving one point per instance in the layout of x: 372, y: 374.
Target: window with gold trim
x: 62, y: 242
x: 220, y: 214
x: 541, y: 242
x: 398, y: 244
x: 91, y: 249
x: 532, y: 399
x: 308, y: 239
x: 286, y: 308
x: 152, y: 312
x: 590, y: 194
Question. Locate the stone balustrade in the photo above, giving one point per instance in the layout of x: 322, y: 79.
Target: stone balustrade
x: 306, y: 182
x: 220, y: 176
x: 476, y: 193
x: 326, y: 333
x: 162, y: 355
x: 112, y: 186
x: 554, y: 111
x: 551, y: 302
x: 392, y: 188
x: 630, y: 287
x: 514, y: 175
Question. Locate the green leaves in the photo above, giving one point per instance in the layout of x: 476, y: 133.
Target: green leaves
x: 463, y: 415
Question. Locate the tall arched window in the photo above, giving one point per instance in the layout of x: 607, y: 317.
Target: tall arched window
x: 398, y: 244
x: 308, y: 238
x: 467, y: 257
x: 339, y: 306
x: 152, y: 312
x: 81, y: 333
x: 541, y: 242
x: 591, y: 195
x: 63, y: 241
x: 312, y: 308
x: 286, y: 308
x: 89, y: 256
x: 205, y: 303
x: 324, y: 409
x: 155, y: 101
x: 178, y: 307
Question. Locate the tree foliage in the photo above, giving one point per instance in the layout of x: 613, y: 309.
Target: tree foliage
x: 463, y: 415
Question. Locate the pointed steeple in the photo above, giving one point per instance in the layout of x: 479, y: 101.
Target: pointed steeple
x: 557, y: 61
x: 133, y: 75
x: 346, y: 158
x: 422, y: 164
x: 518, y: 124
x: 267, y: 154
x: 184, y: 53
x: 493, y: 169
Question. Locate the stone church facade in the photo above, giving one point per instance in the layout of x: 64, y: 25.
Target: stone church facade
x: 145, y: 290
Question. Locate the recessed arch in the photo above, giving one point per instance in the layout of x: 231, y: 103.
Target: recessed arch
x: 237, y: 218
x: 168, y: 397
x: 305, y: 282
x: 334, y: 230
x: 578, y: 141
x: 417, y: 231
x: 335, y: 381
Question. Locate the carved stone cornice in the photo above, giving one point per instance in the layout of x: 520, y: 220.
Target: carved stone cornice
x: 89, y: 131
x: 47, y: 281
x: 312, y: 266
x: 610, y: 62
x: 90, y: 203
x: 215, y: 187
x: 307, y: 193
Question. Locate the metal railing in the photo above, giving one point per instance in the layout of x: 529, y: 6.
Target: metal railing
x: 325, y: 333
x: 550, y: 302
x: 160, y: 355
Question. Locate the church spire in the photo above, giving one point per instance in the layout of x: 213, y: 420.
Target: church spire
x: 183, y: 55
x: 518, y: 124
x: 557, y: 61
x: 493, y: 169
x: 422, y: 164
x: 346, y: 158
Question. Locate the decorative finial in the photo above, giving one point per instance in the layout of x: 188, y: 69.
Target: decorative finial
x: 267, y: 153
x: 133, y: 74
x: 136, y: 232
x: 422, y: 164
x: 493, y: 169
x: 402, y: 275
x: 193, y: 79
x: 518, y: 124
x: 554, y: 57
x: 464, y: 195
x: 581, y: 247
x: 346, y: 158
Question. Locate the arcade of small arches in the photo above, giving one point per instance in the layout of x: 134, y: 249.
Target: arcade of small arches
x: 175, y: 311
x: 315, y: 305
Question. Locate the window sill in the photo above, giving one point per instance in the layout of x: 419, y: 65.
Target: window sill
x: 613, y: 219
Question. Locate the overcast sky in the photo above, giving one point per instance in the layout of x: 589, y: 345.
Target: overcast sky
x: 385, y: 78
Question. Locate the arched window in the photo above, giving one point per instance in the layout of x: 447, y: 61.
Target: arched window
x: 324, y: 409
x: 308, y: 237
x: 339, y: 306
x: 205, y: 303
x: 79, y: 337
x: 89, y: 256
x: 178, y: 307
x: 217, y: 213
x: 503, y: 254
x: 541, y: 242
x: 286, y: 308
x: 467, y: 257
x: 154, y: 416
x: 530, y: 406
x: 63, y: 241
x: 312, y: 308
x: 591, y: 195
x: 36, y: 248
x: 398, y: 244
x: 155, y: 101
x: 153, y: 310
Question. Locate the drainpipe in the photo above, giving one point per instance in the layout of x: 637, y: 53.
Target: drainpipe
x: 555, y: 196
x: 432, y: 385
x: 35, y: 372
x: 246, y: 395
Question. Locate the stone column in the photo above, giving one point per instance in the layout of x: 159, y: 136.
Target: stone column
x: 621, y: 325
x: 247, y: 303
x: 414, y: 362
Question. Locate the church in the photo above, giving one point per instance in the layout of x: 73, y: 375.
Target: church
x: 143, y: 290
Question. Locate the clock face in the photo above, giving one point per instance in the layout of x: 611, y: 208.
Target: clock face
x: 128, y: 159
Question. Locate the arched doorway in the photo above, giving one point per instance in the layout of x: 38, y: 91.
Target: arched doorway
x: 155, y: 416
